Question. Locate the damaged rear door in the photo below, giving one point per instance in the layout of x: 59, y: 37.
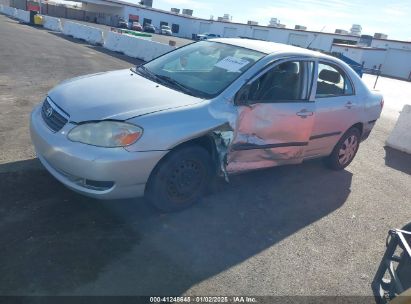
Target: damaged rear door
x: 275, y: 117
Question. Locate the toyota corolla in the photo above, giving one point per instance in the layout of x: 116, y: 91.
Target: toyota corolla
x: 218, y: 107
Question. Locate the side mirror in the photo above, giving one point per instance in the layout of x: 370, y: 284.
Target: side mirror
x: 242, y: 96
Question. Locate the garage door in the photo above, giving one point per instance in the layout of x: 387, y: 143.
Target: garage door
x: 298, y: 40
x: 230, y: 32
x: 260, y: 34
x: 397, y: 63
x: 204, y: 28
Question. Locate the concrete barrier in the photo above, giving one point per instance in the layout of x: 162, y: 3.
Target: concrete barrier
x: 9, y: 11
x: 80, y: 31
x: 135, y: 47
x: 52, y: 23
x: 19, y: 14
x: 23, y: 16
x: 400, y: 137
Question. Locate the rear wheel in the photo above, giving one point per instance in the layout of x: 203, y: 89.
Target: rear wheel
x: 180, y: 179
x: 345, y: 150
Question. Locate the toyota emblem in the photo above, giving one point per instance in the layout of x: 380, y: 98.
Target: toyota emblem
x: 49, y: 111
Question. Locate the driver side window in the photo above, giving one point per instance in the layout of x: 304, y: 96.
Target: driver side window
x: 285, y: 82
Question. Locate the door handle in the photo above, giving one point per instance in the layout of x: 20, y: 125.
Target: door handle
x: 304, y: 113
x: 349, y: 105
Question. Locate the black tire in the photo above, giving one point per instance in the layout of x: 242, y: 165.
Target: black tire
x: 180, y: 179
x: 349, y: 143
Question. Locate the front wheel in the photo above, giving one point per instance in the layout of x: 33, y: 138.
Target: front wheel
x: 180, y: 179
x: 345, y: 150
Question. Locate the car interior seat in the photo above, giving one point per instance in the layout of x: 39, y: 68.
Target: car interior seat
x: 281, y: 83
x: 327, y: 83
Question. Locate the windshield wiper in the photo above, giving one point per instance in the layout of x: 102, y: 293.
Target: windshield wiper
x: 175, y: 83
x: 164, y: 80
x: 142, y: 69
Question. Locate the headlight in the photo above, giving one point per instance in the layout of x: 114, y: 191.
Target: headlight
x: 106, y: 134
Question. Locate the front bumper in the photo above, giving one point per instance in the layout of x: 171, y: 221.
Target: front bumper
x: 124, y: 174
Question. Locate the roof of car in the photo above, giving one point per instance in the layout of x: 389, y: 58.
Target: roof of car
x: 268, y: 47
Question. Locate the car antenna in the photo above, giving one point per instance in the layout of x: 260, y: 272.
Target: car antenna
x: 315, y: 37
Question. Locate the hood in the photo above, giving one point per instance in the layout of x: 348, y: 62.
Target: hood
x: 116, y: 95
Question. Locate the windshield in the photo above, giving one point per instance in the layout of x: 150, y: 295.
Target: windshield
x: 203, y: 69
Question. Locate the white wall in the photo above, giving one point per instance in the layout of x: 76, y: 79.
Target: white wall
x: 189, y: 26
x: 135, y: 46
x: 81, y: 31
x: 260, y: 34
x: 373, y: 58
x: 355, y: 54
x: 386, y: 44
x: 52, y: 23
x: 22, y: 15
x: 397, y: 63
x: 186, y: 24
x: 394, y: 62
x: 107, y: 9
x: 300, y: 39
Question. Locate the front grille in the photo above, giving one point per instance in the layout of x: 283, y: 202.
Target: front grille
x: 54, y: 120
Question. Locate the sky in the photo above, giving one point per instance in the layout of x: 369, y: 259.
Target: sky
x: 391, y: 17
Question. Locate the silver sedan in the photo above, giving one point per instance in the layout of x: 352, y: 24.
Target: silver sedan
x: 217, y: 107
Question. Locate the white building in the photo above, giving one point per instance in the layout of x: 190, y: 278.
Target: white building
x: 392, y: 61
x: 396, y: 63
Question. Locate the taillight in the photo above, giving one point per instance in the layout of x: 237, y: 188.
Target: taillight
x: 382, y: 103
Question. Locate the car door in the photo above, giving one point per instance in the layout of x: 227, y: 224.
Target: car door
x: 336, y: 108
x: 275, y: 117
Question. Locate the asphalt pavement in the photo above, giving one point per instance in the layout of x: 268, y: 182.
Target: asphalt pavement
x: 294, y: 230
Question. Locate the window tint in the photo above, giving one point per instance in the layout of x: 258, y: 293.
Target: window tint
x: 332, y: 81
x: 287, y: 81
